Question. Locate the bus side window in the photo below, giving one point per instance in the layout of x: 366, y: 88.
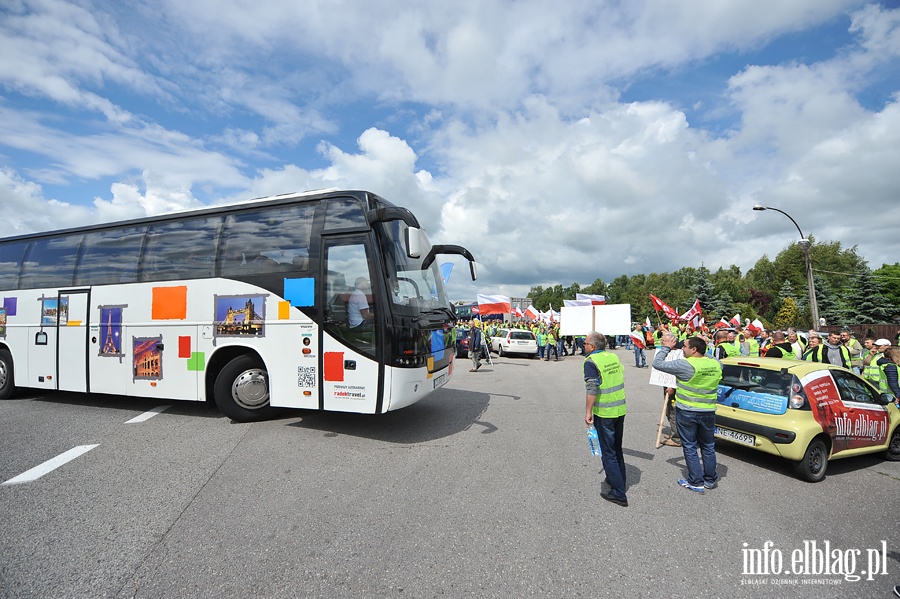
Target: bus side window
x: 51, y: 262
x: 11, y: 254
x: 110, y: 257
x: 181, y: 249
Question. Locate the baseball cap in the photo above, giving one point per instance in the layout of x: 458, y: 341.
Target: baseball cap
x: 882, y: 341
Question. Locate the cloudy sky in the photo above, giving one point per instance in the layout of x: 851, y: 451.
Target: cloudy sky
x: 558, y: 141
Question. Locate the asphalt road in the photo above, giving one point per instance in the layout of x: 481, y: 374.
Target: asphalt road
x: 485, y: 489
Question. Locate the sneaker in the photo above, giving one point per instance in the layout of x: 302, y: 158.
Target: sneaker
x: 616, y: 500
x: 690, y: 487
x: 707, y: 485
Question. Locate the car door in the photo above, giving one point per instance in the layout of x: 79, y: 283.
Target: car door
x: 865, y: 422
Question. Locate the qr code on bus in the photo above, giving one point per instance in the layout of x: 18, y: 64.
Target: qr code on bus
x: 306, y: 376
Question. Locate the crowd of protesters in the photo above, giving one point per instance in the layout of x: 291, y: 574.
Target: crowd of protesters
x: 876, y: 360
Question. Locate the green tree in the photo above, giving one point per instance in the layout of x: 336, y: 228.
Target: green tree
x: 827, y: 300
x: 866, y: 302
x: 762, y: 277
x: 888, y: 276
x: 702, y: 289
x: 788, y: 315
x: 732, y: 282
x: 723, y: 306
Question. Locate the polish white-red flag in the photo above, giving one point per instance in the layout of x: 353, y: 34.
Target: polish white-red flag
x: 596, y: 300
x: 637, y: 337
x: 658, y: 305
x: 576, y: 302
x: 647, y: 323
x: 722, y: 324
x: 693, y: 312
x: 736, y: 320
x: 532, y: 313
x: 517, y: 312
x: 493, y: 304
x: 755, y: 326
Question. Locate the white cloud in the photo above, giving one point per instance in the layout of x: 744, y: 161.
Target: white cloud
x: 519, y: 147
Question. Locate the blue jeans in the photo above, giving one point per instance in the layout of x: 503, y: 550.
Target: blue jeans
x: 540, y: 352
x: 548, y: 349
x: 610, y: 432
x: 639, y: 358
x: 696, y: 430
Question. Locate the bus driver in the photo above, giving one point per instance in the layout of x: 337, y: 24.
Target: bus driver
x: 358, y: 311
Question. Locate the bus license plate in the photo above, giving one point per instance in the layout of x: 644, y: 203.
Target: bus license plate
x: 742, y: 438
x: 440, y: 380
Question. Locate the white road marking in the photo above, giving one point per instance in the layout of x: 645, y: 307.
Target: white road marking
x: 50, y: 465
x: 148, y: 415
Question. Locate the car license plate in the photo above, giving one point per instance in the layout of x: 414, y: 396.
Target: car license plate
x: 742, y: 438
x: 440, y: 380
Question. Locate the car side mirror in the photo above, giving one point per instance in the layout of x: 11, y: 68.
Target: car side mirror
x: 885, y: 399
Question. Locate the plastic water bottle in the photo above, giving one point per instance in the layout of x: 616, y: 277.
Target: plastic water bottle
x: 593, y: 441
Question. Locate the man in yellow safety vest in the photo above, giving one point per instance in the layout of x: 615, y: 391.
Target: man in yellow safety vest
x: 697, y: 381
x: 604, y: 380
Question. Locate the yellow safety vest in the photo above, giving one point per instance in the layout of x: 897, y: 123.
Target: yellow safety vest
x: 610, y: 402
x: 699, y: 393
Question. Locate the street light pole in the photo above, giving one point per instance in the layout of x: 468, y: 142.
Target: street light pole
x: 804, y: 245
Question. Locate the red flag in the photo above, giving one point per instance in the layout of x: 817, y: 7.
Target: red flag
x: 658, y: 305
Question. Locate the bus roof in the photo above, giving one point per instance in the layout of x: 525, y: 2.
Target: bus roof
x: 286, y: 198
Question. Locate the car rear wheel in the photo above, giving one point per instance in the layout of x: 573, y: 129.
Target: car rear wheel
x: 893, y: 450
x: 814, y: 463
x: 501, y: 351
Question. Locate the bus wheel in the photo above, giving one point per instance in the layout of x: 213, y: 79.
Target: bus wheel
x: 242, y: 390
x: 7, y: 383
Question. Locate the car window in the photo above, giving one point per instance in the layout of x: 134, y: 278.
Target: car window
x: 755, y: 389
x: 521, y: 335
x: 852, y: 389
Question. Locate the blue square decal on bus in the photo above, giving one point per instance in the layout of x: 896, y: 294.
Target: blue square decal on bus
x: 300, y: 292
x: 437, y: 344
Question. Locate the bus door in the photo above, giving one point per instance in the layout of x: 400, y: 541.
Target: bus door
x: 350, y: 337
x: 71, y: 347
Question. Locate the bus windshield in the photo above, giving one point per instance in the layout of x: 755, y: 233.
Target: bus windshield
x: 408, y: 283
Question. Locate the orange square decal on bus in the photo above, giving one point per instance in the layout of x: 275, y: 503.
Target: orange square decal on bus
x: 333, y: 366
x: 169, y: 303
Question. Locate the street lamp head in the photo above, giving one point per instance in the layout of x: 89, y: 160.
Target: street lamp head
x: 759, y: 207
x: 804, y: 244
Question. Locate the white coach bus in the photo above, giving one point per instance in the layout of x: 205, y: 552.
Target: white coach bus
x: 247, y: 305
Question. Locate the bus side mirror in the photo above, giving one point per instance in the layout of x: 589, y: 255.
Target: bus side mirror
x: 415, y: 241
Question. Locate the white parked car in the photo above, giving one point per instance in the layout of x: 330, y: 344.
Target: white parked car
x: 514, y: 341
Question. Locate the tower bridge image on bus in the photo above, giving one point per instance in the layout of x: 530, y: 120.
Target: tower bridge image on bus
x: 240, y: 315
